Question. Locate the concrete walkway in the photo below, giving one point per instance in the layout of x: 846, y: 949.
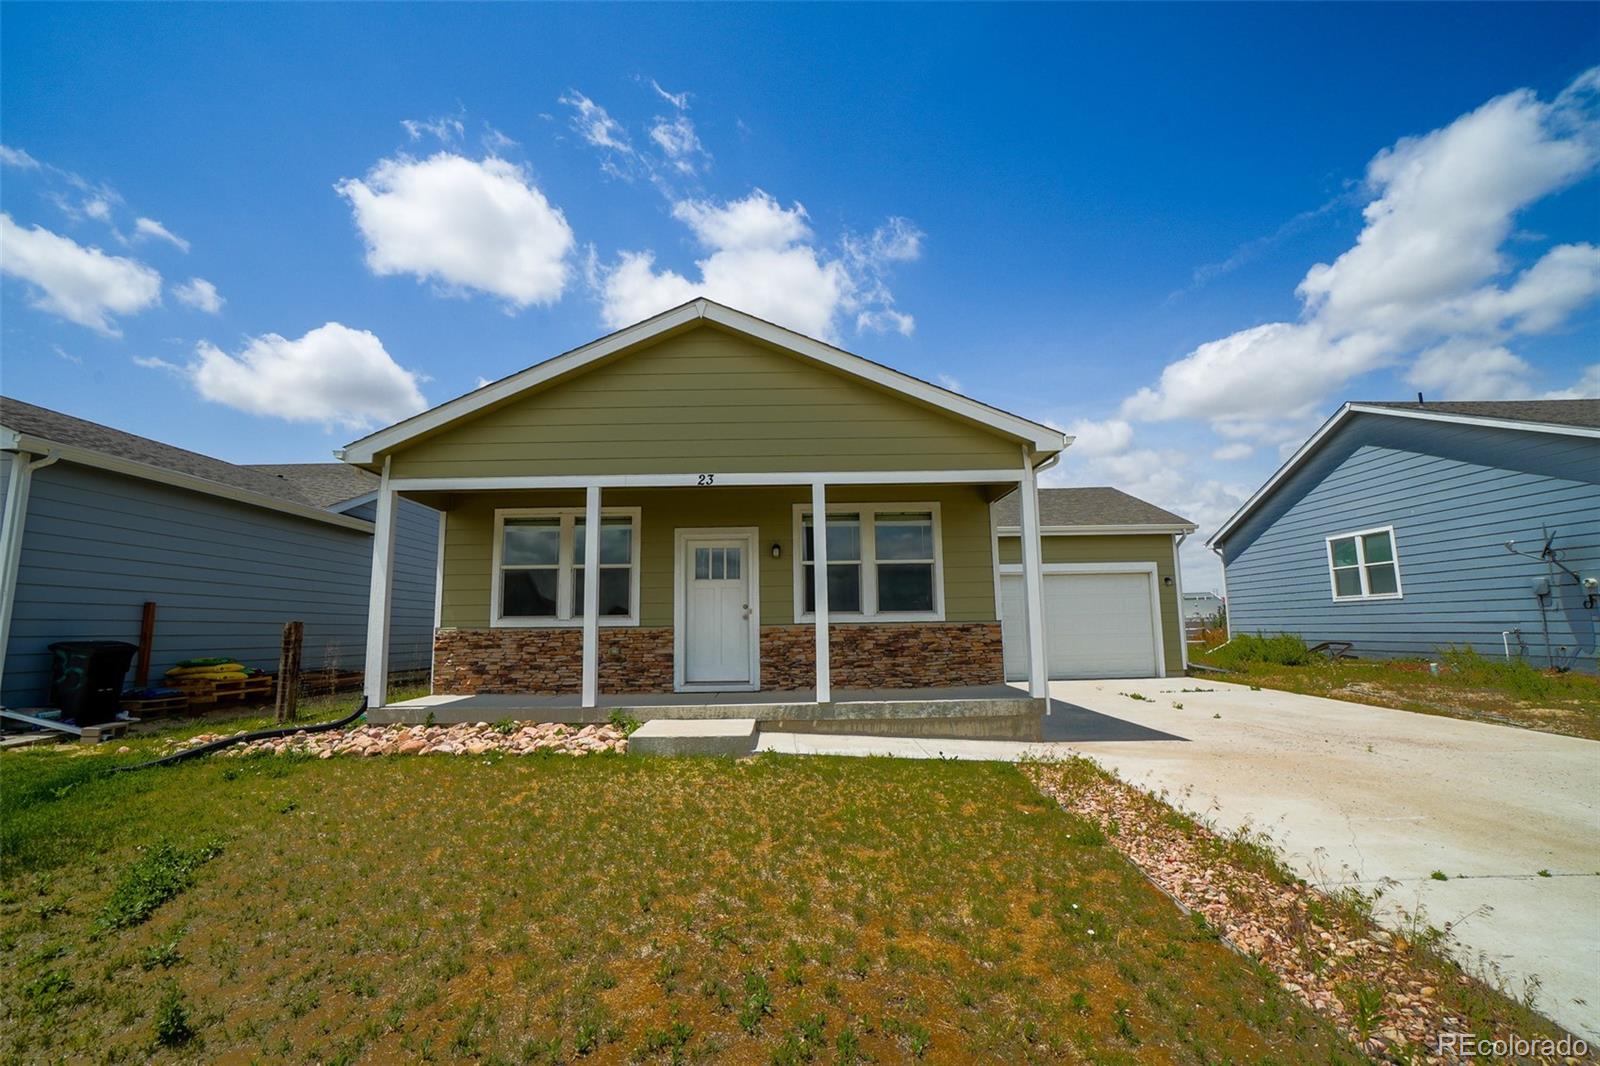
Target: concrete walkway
x: 1365, y: 795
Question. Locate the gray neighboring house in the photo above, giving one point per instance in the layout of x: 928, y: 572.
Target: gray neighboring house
x: 1407, y: 527
x: 106, y: 521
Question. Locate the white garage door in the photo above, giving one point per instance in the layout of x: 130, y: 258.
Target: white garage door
x: 1096, y: 625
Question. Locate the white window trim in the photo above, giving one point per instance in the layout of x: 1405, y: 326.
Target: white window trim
x: 869, y: 563
x: 566, y: 616
x: 1361, y: 565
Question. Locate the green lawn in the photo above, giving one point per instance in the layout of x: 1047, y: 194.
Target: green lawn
x: 610, y: 908
x: 1467, y: 686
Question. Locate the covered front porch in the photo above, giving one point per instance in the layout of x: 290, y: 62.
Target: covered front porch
x: 999, y: 712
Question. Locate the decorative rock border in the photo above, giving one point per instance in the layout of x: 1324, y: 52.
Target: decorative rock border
x: 479, y: 738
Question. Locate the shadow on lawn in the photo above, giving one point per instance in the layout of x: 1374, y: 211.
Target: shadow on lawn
x: 1069, y: 722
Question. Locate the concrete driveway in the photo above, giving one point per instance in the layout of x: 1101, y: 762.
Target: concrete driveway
x: 1366, y: 795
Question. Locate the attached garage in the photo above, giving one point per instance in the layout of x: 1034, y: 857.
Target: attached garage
x: 1111, y: 585
x: 1097, y: 623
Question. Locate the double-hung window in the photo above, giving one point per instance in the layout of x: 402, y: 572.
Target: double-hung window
x: 539, y: 567
x: 1364, y: 565
x: 883, y: 563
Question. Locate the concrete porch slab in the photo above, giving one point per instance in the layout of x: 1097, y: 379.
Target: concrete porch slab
x: 997, y: 712
x: 683, y: 736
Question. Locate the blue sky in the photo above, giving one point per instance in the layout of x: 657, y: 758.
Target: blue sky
x: 1185, y: 233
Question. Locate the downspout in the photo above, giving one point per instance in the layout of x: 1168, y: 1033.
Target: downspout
x: 1227, y: 608
x: 12, y: 524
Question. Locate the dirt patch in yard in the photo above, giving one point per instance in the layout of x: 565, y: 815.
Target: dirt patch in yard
x: 1392, y: 993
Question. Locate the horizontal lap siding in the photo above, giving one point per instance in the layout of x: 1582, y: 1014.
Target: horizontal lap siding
x: 225, y: 577
x: 1119, y: 548
x: 964, y: 524
x: 1455, y: 495
x: 706, y: 401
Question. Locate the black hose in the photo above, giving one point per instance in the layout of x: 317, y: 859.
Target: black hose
x: 242, y: 738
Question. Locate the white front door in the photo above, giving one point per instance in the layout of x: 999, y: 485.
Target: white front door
x: 718, y: 639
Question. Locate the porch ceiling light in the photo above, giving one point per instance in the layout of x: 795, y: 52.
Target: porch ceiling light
x: 777, y: 550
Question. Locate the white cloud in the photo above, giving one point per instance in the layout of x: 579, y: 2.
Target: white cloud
x: 1425, y: 273
x: 16, y: 157
x: 447, y: 129
x: 677, y: 100
x: 150, y: 228
x: 470, y: 225
x: 83, y: 285
x: 595, y: 124
x: 151, y: 362
x: 199, y: 294
x: 951, y: 382
x: 1093, y: 440
x: 1465, y: 370
x: 334, y: 375
x: 1232, y: 452
x: 678, y: 141
x: 761, y: 257
x: 1586, y: 388
x: 99, y: 209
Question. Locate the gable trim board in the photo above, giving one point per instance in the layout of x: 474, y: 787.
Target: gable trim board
x: 1038, y: 438
x: 1350, y: 410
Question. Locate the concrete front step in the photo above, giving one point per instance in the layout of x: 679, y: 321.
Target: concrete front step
x: 689, y: 736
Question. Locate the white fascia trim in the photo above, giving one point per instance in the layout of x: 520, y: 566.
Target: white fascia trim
x: 1345, y: 412
x: 354, y: 501
x: 1095, y: 531
x: 127, y: 467
x: 1039, y: 438
x: 710, y: 479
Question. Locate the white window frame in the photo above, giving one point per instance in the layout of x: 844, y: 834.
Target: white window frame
x: 1361, y: 565
x: 869, y: 563
x: 566, y: 616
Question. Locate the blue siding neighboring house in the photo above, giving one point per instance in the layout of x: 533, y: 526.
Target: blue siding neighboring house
x: 1442, y: 488
x: 228, y: 553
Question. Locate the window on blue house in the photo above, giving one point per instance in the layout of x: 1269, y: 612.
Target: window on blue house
x: 1364, y: 565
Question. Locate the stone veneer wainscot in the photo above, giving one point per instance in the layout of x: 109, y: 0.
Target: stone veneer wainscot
x: 637, y: 660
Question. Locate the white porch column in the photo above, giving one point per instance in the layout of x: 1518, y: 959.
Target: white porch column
x: 819, y: 572
x: 381, y: 592
x: 1033, y: 581
x: 591, y: 597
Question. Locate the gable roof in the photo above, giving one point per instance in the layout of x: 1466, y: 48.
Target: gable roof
x: 1096, y: 508
x: 1580, y: 418
x: 27, y: 427
x: 1582, y: 413
x: 1041, y: 439
x: 324, y: 484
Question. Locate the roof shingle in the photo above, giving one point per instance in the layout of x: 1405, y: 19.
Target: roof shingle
x: 1092, y: 506
x: 1585, y: 413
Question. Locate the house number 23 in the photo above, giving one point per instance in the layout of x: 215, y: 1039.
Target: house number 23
x: 706, y: 479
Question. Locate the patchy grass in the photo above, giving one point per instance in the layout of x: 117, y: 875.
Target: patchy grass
x: 546, y: 909
x: 1467, y: 686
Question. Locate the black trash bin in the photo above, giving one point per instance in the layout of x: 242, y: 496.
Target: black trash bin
x: 86, y: 678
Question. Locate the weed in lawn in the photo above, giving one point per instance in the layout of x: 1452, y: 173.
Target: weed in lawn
x: 1439, y: 875
x: 1365, y: 1003
x: 158, y: 875
x: 1140, y: 696
x: 173, y: 1027
x: 624, y: 721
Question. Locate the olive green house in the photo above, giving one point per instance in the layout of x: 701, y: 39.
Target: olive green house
x: 634, y: 518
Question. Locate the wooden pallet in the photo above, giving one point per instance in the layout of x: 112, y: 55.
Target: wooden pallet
x: 157, y: 705
x: 202, y: 692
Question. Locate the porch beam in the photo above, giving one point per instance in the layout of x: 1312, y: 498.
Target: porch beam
x: 709, y: 479
x: 591, y: 597
x: 819, y: 579
x: 1033, y: 580
x: 381, y: 592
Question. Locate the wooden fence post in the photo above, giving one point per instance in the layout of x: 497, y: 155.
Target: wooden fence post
x: 147, y: 639
x: 288, y: 698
